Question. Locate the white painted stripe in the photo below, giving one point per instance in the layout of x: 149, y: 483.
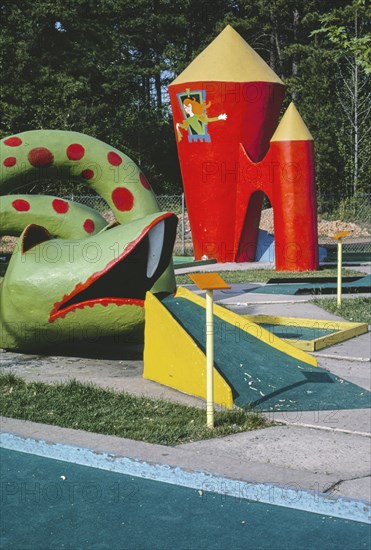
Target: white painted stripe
x: 341, y: 357
x: 289, y: 496
x: 317, y: 427
x: 260, y: 302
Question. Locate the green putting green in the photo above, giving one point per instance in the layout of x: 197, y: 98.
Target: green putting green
x: 297, y: 332
x: 50, y: 505
x: 363, y: 284
x: 304, y: 280
x: 260, y: 375
x: 189, y: 261
x: 182, y: 259
x: 360, y: 256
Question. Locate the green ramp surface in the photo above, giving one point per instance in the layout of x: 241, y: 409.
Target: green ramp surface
x: 261, y: 376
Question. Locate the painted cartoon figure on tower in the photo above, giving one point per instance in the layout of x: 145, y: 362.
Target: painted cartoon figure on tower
x: 195, y: 110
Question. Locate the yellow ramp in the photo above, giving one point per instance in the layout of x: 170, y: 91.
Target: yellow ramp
x: 172, y: 358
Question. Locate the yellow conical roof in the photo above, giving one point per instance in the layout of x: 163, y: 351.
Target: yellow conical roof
x: 292, y: 127
x: 228, y: 59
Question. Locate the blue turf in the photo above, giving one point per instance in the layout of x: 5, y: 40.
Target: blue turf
x: 96, y: 509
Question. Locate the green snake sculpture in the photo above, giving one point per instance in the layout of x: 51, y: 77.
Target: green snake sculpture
x: 72, y: 276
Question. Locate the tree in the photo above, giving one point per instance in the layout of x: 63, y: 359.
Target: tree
x: 89, y: 67
x: 103, y: 67
x: 346, y: 29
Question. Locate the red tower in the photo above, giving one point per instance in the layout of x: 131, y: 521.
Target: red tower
x: 225, y: 107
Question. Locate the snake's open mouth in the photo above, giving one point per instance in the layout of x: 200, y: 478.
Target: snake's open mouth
x: 126, y: 279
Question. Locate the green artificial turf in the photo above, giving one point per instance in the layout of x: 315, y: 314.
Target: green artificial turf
x: 296, y: 332
x: 94, y: 409
x: 52, y: 504
x: 260, y: 375
x: 263, y: 275
x: 362, y: 284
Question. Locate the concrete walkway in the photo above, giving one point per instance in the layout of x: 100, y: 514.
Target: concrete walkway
x: 364, y: 267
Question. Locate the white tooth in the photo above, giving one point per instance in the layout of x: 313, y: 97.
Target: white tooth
x: 156, y: 239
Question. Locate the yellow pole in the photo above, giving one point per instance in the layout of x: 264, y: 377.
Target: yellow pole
x: 340, y: 261
x: 209, y: 282
x: 209, y: 359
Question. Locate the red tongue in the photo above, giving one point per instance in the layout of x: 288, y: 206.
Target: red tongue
x: 100, y: 301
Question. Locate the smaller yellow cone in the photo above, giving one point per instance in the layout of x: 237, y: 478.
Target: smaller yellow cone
x: 292, y: 127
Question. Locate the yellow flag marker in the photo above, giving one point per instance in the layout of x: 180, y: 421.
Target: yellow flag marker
x: 339, y: 237
x: 209, y: 282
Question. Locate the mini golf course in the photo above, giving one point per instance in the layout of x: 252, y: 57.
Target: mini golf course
x: 260, y: 370
x: 308, y: 334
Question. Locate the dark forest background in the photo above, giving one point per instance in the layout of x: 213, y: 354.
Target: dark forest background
x: 102, y: 68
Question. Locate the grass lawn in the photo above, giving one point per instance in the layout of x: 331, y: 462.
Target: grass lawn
x: 263, y: 275
x: 94, y: 409
x: 357, y: 310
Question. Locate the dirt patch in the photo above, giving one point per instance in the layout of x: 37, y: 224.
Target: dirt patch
x: 326, y: 228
